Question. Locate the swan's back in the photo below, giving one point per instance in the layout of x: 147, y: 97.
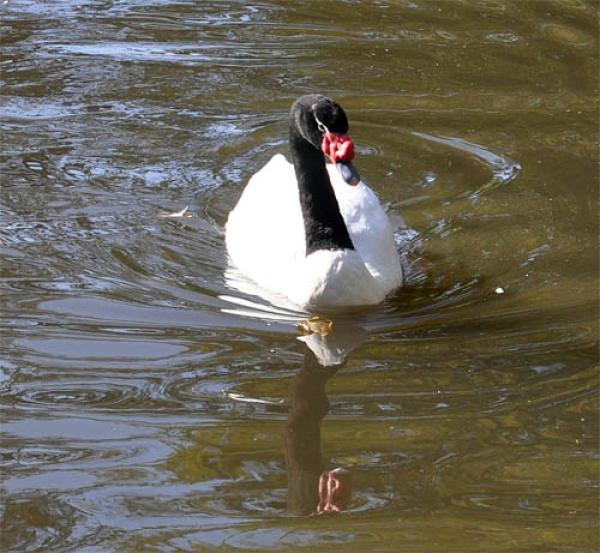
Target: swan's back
x: 265, y: 231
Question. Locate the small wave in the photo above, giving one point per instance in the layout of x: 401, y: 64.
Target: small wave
x: 503, y: 169
x: 182, y: 53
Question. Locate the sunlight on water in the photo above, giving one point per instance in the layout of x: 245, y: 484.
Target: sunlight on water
x: 155, y: 400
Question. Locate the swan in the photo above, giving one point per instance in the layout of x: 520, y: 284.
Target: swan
x: 311, y: 231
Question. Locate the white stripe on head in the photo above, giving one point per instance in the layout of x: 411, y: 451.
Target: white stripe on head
x: 320, y: 125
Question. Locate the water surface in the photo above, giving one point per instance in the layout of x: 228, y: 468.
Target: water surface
x: 145, y: 408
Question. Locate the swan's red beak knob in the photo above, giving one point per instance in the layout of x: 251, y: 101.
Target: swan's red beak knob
x: 339, y: 148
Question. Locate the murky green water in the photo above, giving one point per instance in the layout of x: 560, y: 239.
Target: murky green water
x: 467, y: 418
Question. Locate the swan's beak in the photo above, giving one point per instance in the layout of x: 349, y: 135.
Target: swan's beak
x: 339, y: 148
x: 348, y: 172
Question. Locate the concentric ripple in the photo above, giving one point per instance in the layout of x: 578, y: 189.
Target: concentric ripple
x: 151, y: 401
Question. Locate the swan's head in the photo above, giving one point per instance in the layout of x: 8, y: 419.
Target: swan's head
x: 323, y: 123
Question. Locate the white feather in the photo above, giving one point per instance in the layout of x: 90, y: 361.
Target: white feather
x: 266, y: 241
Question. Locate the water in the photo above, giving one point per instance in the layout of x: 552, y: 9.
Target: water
x: 147, y: 406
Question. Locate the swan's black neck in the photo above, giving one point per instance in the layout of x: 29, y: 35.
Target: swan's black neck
x: 323, y: 223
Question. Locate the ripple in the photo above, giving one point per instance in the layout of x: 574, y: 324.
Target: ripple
x: 369, y: 149
x: 567, y: 35
x: 119, y: 313
x: 122, y: 333
x: 82, y: 348
x: 33, y: 456
x: 38, y: 109
x: 50, y: 481
x: 506, y: 37
x: 7, y: 372
x: 37, y: 524
x: 70, y: 229
x: 503, y: 169
x: 268, y: 501
x: 530, y: 504
x: 220, y: 130
x: 370, y: 500
x: 76, y: 397
x: 274, y: 537
x: 100, y: 454
x: 266, y: 504
x: 183, y: 53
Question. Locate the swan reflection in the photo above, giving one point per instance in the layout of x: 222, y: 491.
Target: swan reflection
x: 312, y: 488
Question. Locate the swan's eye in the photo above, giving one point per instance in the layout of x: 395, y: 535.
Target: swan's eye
x: 321, y: 126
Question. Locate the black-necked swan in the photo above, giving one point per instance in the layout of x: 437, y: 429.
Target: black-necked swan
x: 315, y: 233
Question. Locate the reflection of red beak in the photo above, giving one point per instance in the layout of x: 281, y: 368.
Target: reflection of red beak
x: 335, y: 491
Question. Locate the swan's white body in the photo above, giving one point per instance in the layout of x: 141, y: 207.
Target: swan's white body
x: 266, y: 240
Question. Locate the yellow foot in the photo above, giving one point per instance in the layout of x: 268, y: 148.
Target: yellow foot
x: 316, y: 325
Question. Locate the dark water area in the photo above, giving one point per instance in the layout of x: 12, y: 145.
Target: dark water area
x: 149, y: 405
